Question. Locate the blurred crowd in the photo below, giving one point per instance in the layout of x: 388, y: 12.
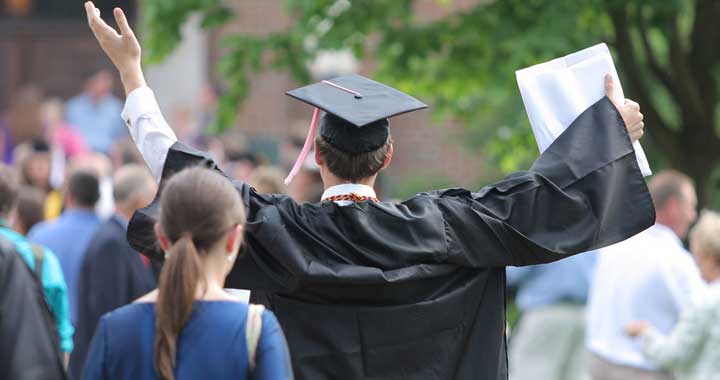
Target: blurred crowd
x: 643, y: 309
x: 646, y: 308
x: 71, y: 178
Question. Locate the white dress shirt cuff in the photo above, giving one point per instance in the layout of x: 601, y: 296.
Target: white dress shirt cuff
x: 151, y: 133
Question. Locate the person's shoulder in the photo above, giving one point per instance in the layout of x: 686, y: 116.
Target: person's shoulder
x: 41, y: 229
x: 109, y: 230
x: 269, y: 319
x: 75, y: 101
x: 113, y: 101
x: 128, y: 315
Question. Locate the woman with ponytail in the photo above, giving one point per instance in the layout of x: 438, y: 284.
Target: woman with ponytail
x: 190, y: 328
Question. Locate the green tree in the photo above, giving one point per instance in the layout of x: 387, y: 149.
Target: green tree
x: 666, y: 50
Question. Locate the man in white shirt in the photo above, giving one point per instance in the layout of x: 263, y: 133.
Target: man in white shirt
x: 647, y: 277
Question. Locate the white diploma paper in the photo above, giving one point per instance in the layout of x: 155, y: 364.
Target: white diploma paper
x: 558, y: 91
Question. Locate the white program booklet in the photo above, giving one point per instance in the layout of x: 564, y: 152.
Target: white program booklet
x: 558, y: 91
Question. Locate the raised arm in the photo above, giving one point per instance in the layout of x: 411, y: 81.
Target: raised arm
x: 584, y: 192
x: 148, y: 128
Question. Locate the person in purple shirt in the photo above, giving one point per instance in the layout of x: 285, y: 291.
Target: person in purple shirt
x: 69, y: 235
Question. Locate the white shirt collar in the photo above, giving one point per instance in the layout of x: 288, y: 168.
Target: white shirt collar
x: 347, y: 188
x: 665, y: 231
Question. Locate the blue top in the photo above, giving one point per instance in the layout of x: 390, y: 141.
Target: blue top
x: 53, y: 285
x: 68, y: 237
x: 210, y: 346
x: 567, y: 280
x: 99, y: 123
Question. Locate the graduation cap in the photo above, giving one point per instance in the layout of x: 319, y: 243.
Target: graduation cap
x: 355, y: 116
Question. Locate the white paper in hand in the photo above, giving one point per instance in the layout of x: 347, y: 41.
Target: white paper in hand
x: 558, y: 91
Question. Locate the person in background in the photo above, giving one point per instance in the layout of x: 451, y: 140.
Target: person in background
x: 112, y: 273
x: 23, y: 121
x: 60, y: 134
x: 692, y: 349
x: 190, y: 327
x: 307, y: 187
x: 29, y: 209
x: 29, y: 348
x: 268, y: 179
x: 239, y: 161
x: 648, y: 277
x: 34, y: 161
x: 125, y: 152
x: 96, y: 113
x: 6, y: 143
x: 549, y: 342
x: 101, y: 165
x: 39, y: 259
x: 69, y: 235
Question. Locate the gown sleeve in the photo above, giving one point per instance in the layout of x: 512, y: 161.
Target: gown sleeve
x: 584, y: 192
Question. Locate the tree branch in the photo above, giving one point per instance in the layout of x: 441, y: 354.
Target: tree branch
x: 687, y: 92
x: 658, y: 129
x: 652, y: 61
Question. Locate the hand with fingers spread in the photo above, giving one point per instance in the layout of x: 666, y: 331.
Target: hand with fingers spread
x: 122, y: 49
x: 629, y: 110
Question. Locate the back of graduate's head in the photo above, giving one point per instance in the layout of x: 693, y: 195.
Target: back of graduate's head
x: 352, y: 167
x: 200, y: 229
x: 673, y: 194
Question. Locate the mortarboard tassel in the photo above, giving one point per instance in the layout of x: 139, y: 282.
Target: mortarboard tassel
x: 306, y: 148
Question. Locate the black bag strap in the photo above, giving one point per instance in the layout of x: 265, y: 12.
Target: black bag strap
x: 39, y: 255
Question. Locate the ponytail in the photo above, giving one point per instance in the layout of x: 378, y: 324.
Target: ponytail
x: 197, y: 208
x: 179, y: 280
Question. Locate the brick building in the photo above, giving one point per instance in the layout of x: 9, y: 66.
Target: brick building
x: 54, y: 49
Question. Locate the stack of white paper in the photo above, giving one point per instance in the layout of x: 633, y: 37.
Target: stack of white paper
x: 558, y: 91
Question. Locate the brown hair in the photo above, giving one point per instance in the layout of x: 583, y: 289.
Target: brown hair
x: 668, y: 184
x: 30, y: 208
x: 352, y: 167
x: 198, y: 207
x: 9, y: 184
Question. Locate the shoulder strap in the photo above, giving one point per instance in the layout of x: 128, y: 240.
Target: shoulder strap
x: 253, y: 330
x: 39, y: 255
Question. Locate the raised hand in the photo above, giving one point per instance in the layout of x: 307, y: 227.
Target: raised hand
x: 122, y: 49
x: 629, y: 110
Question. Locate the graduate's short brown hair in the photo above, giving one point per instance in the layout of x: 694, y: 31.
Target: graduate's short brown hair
x: 352, y: 167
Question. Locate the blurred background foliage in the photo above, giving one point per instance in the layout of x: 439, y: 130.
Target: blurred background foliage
x: 463, y: 63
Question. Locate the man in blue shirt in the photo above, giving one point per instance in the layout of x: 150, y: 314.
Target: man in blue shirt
x: 549, y: 342
x: 69, y: 235
x: 96, y: 113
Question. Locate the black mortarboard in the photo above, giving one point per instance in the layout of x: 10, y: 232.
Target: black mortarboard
x: 356, y: 112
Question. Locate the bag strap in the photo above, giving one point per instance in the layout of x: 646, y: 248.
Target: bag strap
x: 39, y: 255
x: 253, y: 330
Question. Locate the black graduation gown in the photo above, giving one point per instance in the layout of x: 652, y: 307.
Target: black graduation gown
x: 29, y: 344
x: 416, y: 290
x: 112, y: 275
